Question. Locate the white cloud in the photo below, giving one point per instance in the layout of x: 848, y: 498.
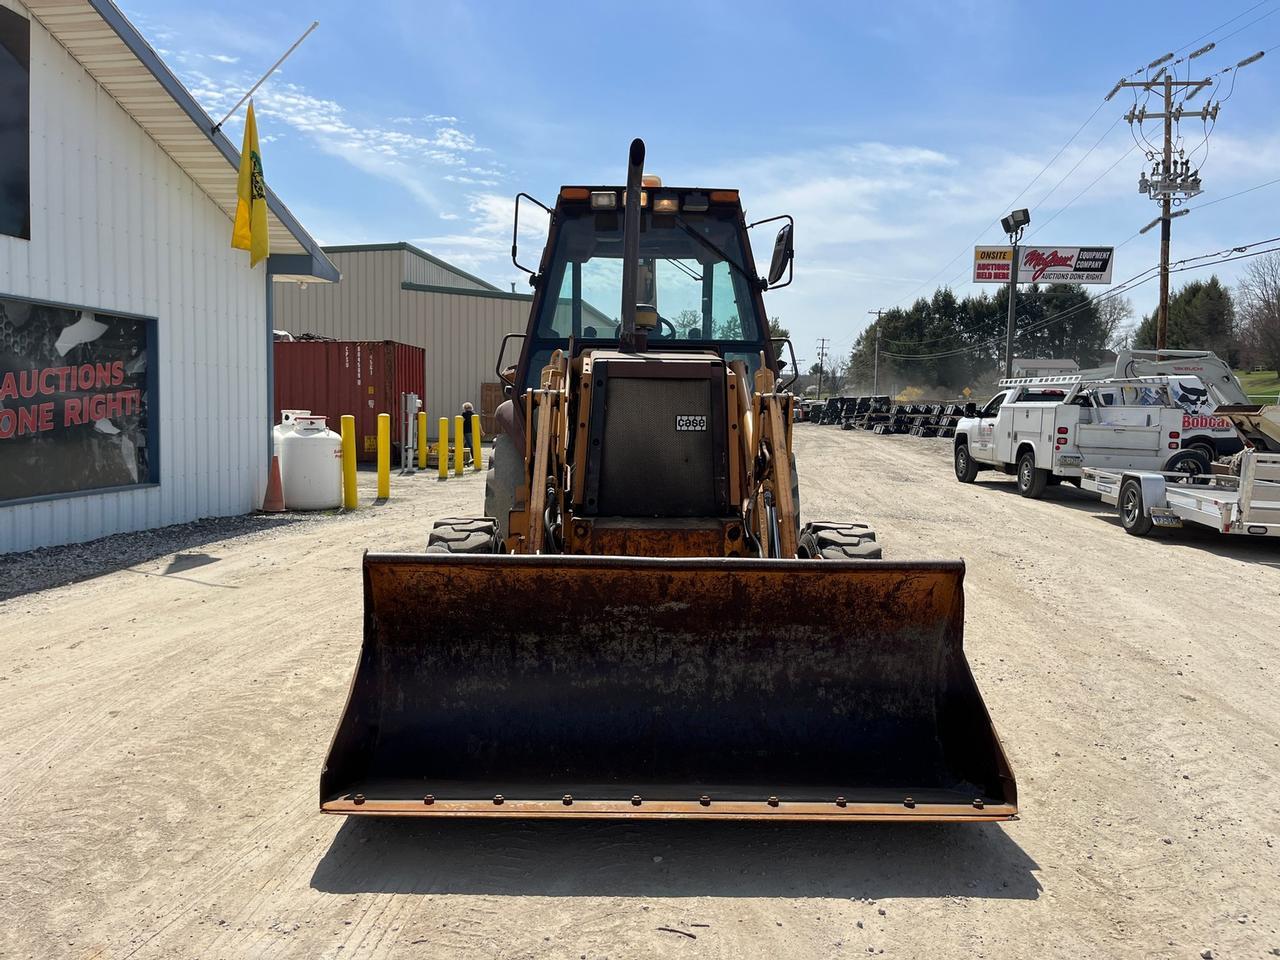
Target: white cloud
x: 406, y: 158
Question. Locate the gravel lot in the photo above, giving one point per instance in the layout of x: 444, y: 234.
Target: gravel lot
x: 169, y: 698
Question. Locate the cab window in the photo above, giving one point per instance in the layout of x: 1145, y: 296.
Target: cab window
x: 993, y: 405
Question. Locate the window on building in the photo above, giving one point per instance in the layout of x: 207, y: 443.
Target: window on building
x: 15, y: 125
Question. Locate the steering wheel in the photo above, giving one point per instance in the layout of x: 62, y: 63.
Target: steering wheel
x: 664, y: 322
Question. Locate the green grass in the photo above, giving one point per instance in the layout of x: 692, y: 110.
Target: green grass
x: 1262, y: 384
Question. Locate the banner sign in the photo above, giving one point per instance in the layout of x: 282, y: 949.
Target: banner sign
x: 76, y: 401
x: 1044, y: 264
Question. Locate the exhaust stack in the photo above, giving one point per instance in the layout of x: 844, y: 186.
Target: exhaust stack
x: 631, y: 246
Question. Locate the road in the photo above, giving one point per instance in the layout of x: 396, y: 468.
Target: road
x: 165, y: 722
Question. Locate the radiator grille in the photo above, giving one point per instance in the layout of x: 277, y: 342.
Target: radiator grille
x: 649, y: 468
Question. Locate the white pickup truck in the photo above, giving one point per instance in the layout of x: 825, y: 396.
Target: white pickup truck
x: 1043, y: 430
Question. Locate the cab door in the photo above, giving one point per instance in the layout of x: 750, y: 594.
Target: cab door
x: 983, y: 441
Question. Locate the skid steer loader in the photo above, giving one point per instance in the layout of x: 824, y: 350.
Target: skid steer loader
x: 640, y: 626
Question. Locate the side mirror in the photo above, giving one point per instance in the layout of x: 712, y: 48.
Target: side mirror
x: 784, y: 253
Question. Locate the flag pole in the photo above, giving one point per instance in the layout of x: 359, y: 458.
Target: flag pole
x: 274, y: 67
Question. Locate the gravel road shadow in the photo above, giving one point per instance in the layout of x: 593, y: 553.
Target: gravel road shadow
x: 1261, y: 551
x: 676, y: 859
x: 1065, y: 494
x: 48, y: 567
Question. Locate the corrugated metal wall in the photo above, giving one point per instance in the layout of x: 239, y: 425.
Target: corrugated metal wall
x: 461, y: 332
x: 418, y: 269
x: 116, y: 225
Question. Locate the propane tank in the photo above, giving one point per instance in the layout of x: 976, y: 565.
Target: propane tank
x: 287, y: 417
x: 311, y: 465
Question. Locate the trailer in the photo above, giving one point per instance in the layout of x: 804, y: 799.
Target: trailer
x: 1245, y: 501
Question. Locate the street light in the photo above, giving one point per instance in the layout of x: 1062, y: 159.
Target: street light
x: 1013, y: 225
x: 1015, y: 222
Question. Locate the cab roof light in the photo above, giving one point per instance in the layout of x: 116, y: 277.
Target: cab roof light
x: 724, y: 196
x: 666, y: 203
x: 644, y: 198
x: 696, y: 202
x: 604, y: 200
x: 650, y: 180
x: 574, y: 193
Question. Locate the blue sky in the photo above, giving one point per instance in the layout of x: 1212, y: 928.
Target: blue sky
x: 893, y: 132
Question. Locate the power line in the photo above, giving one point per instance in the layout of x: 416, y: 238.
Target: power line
x: 1133, y: 236
x: 1070, y: 140
x: 1232, y: 196
x: 1067, y: 144
x: 1228, y: 23
x: 1179, y: 266
x: 1249, y: 24
x: 1093, y: 183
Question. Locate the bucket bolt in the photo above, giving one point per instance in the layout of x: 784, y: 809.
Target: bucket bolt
x: 429, y: 799
x: 908, y: 803
x: 498, y: 799
x: 635, y: 801
x: 704, y: 800
x: 568, y: 799
x: 841, y: 802
x: 773, y: 801
x: 358, y: 798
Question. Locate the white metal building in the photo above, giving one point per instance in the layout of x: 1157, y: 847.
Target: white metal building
x: 397, y: 292
x: 118, y: 228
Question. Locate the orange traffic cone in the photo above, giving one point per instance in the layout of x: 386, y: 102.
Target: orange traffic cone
x: 273, y: 502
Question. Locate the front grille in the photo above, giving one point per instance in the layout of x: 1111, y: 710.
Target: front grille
x: 648, y: 467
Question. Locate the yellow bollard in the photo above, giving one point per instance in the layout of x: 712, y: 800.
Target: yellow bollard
x: 477, y: 459
x: 459, y: 446
x: 442, y: 448
x: 384, y: 456
x: 349, y: 497
x: 422, y: 440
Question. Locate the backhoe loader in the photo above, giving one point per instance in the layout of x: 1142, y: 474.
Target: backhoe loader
x: 640, y: 625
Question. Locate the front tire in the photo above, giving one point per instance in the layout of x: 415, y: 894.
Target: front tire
x: 1133, y: 514
x: 465, y: 535
x: 1031, y: 479
x: 966, y: 466
x: 838, y: 541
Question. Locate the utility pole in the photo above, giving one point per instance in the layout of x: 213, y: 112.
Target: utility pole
x: 1013, y: 226
x: 1013, y: 304
x: 875, y: 375
x: 1171, y: 181
x: 822, y: 356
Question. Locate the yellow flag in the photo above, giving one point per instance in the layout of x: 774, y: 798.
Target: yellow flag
x: 250, y: 231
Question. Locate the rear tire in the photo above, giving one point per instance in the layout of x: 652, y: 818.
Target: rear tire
x: 1191, y: 462
x: 966, y: 466
x: 1206, y: 450
x: 1133, y: 514
x: 464, y: 535
x: 838, y: 541
x: 1031, y: 479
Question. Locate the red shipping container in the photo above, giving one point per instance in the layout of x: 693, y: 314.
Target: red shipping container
x: 361, y: 377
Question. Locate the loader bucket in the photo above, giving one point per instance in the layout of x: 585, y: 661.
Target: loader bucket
x: 573, y: 686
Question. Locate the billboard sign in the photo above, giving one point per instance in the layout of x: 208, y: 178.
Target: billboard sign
x: 77, y: 401
x: 1044, y: 264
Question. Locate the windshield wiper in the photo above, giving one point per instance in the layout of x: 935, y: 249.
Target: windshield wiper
x: 680, y: 222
